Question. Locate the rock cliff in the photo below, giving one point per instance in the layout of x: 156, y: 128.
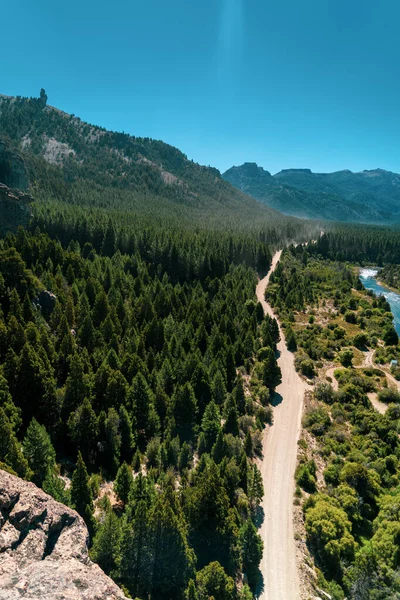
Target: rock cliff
x: 14, y: 208
x: 44, y: 549
x: 12, y: 168
x: 14, y: 200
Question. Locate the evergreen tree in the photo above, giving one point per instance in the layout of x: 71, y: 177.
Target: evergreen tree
x: 211, y: 424
x: 39, y: 451
x: 83, y: 429
x: 55, y: 486
x: 127, y: 439
x: 124, y: 482
x: 213, y: 582
x: 81, y: 494
x: 271, y: 373
x: 252, y: 550
x: 185, y: 410
x: 140, y: 397
x: 106, y: 543
x: 10, y: 449
x: 173, y: 558
x: 137, y: 558
x: 191, y: 592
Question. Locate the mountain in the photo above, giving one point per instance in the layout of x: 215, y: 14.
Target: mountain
x: 82, y: 165
x: 365, y: 197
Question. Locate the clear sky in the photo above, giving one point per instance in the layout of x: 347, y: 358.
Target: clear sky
x: 285, y: 83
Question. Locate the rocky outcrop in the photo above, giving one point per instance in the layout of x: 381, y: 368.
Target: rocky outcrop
x: 15, y: 208
x: 47, y: 301
x: 44, y: 549
x: 12, y: 168
x: 14, y: 200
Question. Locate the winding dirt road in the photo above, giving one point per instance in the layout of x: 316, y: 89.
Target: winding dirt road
x: 278, y: 565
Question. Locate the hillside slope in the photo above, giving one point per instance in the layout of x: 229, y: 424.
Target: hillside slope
x: 365, y: 197
x: 81, y: 164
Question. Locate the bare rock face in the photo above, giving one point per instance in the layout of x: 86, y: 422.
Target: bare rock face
x: 14, y: 200
x: 12, y: 168
x: 44, y: 549
x: 14, y: 208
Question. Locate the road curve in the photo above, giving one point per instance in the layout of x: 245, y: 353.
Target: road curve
x: 278, y: 565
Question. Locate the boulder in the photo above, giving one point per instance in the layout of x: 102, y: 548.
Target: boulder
x: 44, y: 549
x: 47, y: 301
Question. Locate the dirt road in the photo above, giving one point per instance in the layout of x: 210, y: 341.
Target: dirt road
x: 278, y: 565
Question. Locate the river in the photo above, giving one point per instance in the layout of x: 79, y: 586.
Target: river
x: 369, y: 281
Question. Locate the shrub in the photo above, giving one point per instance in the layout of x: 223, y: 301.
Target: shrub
x: 389, y: 396
x: 305, y: 476
x: 317, y: 420
x: 324, y: 392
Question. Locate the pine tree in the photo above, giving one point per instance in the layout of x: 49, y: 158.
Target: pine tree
x: 252, y: 551
x: 140, y: 397
x: 39, y: 451
x: 106, y: 543
x: 191, y: 592
x: 231, y: 424
x: 83, y: 429
x: 219, y: 389
x: 173, y: 558
x: 185, y: 410
x: 123, y: 482
x: 127, y: 439
x: 137, y: 558
x: 10, y: 449
x: 213, y: 582
x: 55, y: 486
x: 81, y: 494
x: 255, y: 487
x: 211, y: 424
x: 291, y: 342
x: 271, y: 373
x: 219, y: 448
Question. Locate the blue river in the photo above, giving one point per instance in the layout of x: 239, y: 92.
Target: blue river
x: 368, y: 279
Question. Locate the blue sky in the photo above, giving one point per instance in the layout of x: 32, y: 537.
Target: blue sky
x: 285, y: 83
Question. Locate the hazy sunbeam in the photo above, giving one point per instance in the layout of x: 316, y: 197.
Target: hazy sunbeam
x: 231, y: 29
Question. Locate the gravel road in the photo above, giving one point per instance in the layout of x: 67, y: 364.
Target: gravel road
x: 278, y: 565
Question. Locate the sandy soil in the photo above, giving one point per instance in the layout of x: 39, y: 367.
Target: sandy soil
x: 368, y: 361
x: 278, y: 565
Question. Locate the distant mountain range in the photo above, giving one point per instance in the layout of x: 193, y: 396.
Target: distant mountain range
x: 365, y: 197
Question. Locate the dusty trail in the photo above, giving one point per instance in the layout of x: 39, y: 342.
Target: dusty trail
x: 278, y: 565
x: 368, y: 361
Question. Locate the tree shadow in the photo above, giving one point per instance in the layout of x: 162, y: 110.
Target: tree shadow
x: 260, y: 587
x: 277, y: 399
x: 259, y: 516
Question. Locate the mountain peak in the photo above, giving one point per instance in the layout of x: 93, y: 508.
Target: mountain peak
x: 250, y: 169
x: 305, y: 171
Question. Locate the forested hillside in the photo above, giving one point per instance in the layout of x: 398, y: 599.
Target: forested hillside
x: 365, y: 197
x: 74, y: 166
